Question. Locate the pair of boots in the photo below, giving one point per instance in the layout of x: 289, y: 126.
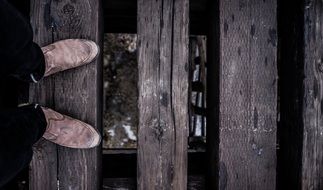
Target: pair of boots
x: 61, y: 129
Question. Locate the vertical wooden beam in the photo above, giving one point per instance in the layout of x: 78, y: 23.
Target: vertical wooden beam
x: 312, y: 167
x: 301, y: 49
x: 247, y: 94
x: 43, y: 168
x: 163, y: 94
x: 77, y: 93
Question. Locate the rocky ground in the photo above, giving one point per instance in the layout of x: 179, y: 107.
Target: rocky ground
x: 121, y: 92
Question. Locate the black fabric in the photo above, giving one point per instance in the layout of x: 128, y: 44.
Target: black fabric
x: 19, y: 55
x: 20, y: 127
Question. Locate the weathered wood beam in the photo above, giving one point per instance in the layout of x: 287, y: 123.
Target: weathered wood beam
x: 194, y: 183
x: 300, y: 152
x: 163, y: 94
x: 247, y: 94
x: 77, y: 93
x: 43, y: 168
x: 312, y: 157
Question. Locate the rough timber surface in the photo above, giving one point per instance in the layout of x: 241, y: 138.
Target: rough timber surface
x: 248, y: 94
x: 43, y: 168
x: 163, y: 94
x: 76, y: 93
x: 312, y: 161
x: 194, y: 183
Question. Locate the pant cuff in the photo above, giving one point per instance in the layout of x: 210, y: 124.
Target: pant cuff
x: 32, y: 70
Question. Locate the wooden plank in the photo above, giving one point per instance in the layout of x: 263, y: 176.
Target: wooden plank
x: 121, y: 165
x: 163, y: 94
x: 248, y: 94
x: 43, y: 168
x: 312, y: 175
x: 77, y: 92
x: 194, y: 183
x: 119, y: 183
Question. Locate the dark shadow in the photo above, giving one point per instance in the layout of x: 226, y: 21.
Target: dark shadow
x: 13, y: 92
x: 290, y: 70
x: 212, y: 132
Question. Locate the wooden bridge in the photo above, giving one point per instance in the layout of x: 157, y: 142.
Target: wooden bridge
x: 264, y: 94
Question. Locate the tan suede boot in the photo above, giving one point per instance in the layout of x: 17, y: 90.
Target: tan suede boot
x: 69, y: 132
x: 68, y: 54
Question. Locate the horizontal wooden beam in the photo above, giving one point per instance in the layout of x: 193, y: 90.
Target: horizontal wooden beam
x: 121, y: 165
x: 194, y: 183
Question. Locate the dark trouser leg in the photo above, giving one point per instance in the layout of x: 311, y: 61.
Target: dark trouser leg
x: 19, y: 55
x: 20, y: 128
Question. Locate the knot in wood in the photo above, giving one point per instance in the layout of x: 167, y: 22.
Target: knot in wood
x: 272, y: 37
x: 159, y: 126
x: 320, y: 65
x: 68, y: 9
x: 164, y: 99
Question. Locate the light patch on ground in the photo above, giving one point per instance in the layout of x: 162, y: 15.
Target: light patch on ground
x: 131, y: 135
x: 112, y: 132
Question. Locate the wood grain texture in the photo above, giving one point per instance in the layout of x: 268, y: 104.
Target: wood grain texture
x: 43, y: 168
x: 77, y: 92
x: 248, y: 94
x: 163, y: 94
x: 312, y: 176
x: 194, y: 183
